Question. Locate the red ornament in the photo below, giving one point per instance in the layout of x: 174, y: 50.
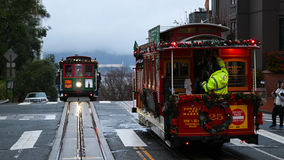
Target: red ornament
x: 200, y: 43
x: 259, y: 43
x: 166, y: 44
x: 232, y: 96
x: 245, y: 41
x: 181, y: 43
x: 189, y: 44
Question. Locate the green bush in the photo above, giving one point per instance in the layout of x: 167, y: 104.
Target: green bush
x: 273, y: 61
x: 3, y: 91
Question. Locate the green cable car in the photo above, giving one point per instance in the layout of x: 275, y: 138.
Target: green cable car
x: 78, y: 75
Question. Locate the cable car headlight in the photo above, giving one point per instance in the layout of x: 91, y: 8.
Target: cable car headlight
x: 78, y: 84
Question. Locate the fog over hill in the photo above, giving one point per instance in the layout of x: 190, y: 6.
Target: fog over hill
x: 101, y: 57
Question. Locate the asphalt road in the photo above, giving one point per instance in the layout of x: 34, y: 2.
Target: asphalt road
x: 37, y: 121
x: 125, y: 137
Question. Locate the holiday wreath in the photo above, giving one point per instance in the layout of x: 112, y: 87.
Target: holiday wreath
x: 205, y: 121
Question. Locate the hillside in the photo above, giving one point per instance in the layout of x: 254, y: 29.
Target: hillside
x: 101, y: 57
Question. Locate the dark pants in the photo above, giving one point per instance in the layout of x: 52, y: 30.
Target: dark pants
x: 58, y: 88
x: 277, y: 110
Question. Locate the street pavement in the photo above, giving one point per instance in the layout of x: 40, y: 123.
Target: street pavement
x: 125, y: 137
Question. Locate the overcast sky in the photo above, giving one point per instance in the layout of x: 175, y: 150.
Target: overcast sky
x: 109, y: 25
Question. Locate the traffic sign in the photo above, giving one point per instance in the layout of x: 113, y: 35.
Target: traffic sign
x: 11, y: 73
x: 10, y: 55
x: 11, y: 65
x: 10, y: 84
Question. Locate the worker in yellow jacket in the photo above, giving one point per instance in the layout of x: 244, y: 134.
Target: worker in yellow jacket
x: 218, y: 81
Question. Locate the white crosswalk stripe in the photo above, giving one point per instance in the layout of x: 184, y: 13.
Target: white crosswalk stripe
x: 272, y: 136
x: 104, y: 102
x: 27, y: 140
x: 3, y: 117
x: 28, y: 103
x: 24, y: 103
x: 129, y: 138
x: 28, y: 117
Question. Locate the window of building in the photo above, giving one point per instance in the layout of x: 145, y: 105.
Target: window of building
x: 281, y: 45
x: 233, y: 1
x: 233, y: 30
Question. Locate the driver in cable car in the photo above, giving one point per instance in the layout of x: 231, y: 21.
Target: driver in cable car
x: 218, y: 81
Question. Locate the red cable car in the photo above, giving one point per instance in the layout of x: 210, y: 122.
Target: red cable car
x: 170, y: 99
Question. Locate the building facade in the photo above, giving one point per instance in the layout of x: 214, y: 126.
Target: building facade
x: 262, y: 20
x: 199, y: 16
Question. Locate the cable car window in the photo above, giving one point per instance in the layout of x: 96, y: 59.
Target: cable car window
x: 180, y: 69
x: 78, y: 70
x: 180, y: 72
x: 157, y: 72
x: 145, y: 71
x: 149, y: 72
x: 68, y: 70
x: 207, y: 30
x: 153, y: 72
x: 89, y: 70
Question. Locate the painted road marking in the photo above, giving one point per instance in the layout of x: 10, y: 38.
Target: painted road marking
x: 141, y: 155
x: 104, y: 102
x: 49, y: 117
x: 51, y: 102
x: 238, y: 142
x: 272, y: 136
x: 27, y: 140
x: 25, y: 103
x: 3, y: 117
x: 26, y: 118
x: 129, y: 138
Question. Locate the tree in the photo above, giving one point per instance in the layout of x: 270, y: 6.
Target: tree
x: 19, y: 30
x: 116, y: 85
x: 37, y: 76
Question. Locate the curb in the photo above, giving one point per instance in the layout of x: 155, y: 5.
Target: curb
x: 106, y: 149
x: 56, y: 143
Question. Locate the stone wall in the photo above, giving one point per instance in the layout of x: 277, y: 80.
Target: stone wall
x: 271, y: 79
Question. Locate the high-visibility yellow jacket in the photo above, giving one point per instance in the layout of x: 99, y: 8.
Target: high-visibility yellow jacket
x: 218, y: 81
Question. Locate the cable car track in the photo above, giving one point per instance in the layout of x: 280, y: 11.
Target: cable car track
x: 88, y: 144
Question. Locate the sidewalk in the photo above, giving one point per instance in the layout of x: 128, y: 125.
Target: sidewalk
x: 268, y: 106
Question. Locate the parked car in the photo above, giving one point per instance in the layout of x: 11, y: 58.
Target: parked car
x: 36, y: 97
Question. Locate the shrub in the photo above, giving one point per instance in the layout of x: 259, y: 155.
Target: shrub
x: 273, y: 61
